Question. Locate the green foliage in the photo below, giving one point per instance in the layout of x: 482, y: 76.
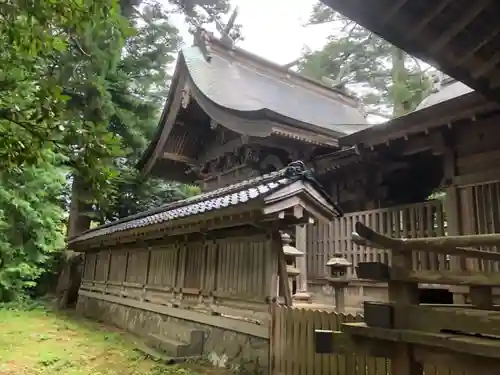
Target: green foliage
x: 387, y: 80
x: 82, y: 84
x: 140, y: 86
x: 136, y: 194
x: 31, y: 224
x: 54, y: 56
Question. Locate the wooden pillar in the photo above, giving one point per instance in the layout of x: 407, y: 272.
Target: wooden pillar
x: 452, y: 210
x: 301, y: 245
x: 403, y: 293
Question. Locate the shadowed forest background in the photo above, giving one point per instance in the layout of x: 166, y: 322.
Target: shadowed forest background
x: 82, y: 87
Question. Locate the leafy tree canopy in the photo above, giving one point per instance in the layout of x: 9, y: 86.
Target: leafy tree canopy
x: 388, y: 81
x: 82, y: 85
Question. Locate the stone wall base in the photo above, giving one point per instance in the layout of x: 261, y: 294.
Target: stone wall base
x: 242, y: 353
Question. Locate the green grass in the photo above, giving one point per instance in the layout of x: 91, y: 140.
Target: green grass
x: 42, y: 342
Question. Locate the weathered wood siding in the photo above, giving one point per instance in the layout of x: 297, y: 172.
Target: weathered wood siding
x: 212, y: 273
x: 473, y: 196
x: 426, y: 219
x: 292, y: 347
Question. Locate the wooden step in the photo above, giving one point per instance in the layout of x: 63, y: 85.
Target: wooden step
x: 162, y: 358
x: 180, y: 332
x: 168, y: 346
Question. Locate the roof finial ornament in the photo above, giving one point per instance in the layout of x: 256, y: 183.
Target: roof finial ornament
x: 202, y: 41
x: 227, y: 37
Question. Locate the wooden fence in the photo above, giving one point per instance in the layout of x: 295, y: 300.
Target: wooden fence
x: 424, y: 219
x: 292, y: 347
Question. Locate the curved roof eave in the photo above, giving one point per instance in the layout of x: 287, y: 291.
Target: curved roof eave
x: 244, y: 90
x: 159, y: 129
x: 210, y: 90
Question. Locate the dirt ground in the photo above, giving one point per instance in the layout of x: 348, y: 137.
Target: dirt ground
x: 42, y: 342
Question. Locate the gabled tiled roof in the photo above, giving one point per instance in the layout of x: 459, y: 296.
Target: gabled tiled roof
x: 233, y: 195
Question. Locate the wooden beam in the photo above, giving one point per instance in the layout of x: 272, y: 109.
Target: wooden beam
x: 416, y: 29
x: 230, y: 218
x: 215, y: 150
x: 393, y: 10
x: 448, y: 319
x: 471, y: 278
x: 486, y: 66
x: 446, y: 245
x: 468, y: 16
x: 179, y: 158
x: 453, y: 342
x: 490, y: 175
x: 347, y: 345
x: 495, y: 82
x: 459, y: 61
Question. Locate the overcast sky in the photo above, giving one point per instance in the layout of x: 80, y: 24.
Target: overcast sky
x: 274, y: 29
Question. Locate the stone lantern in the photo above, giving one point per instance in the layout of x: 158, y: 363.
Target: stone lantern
x: 337, y: 278
x: 291, y: 255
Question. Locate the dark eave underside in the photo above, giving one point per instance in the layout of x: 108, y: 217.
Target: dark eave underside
x: 460, y: 37
x: 462, y: 107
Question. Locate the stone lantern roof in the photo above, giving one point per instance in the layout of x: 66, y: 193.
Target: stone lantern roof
x: 287, y: 248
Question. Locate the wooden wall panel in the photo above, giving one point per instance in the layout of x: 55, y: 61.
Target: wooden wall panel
x: 426, y: 219
x: 137, y: 264
x: 242, y: 270
x: 162, y: 271
x: 230, y: 271
x: 118, y: 266
x: 195, y: 261
x: 102, y: 266
x: 89, y: 268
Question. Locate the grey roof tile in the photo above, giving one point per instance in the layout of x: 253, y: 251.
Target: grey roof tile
x: 237, y: 86
x: 239, y: 193
x: 452, y: 90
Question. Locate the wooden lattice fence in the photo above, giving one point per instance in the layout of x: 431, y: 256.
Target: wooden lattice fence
x: 292, y: 347
x: 425, y: 219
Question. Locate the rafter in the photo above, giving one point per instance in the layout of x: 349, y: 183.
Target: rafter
x: 487, y: 65
x: 413, y: 31
x: 472, y: 51
x: 393, y: 10
x: 459, y: 25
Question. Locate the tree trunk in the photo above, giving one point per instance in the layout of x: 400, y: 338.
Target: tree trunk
x: 398, y: 82
x: 70, y: 276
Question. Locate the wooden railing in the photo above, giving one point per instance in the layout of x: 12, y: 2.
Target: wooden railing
x: 461, y: 337
x: 426, y: 219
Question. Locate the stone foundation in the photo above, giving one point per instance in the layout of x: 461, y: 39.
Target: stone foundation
x: 240, y: 352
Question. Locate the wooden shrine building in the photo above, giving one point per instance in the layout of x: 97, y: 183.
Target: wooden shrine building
x: 462, y: 40
x: 453, y: 133
x: 231, y: 115
x: 197, y: 276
